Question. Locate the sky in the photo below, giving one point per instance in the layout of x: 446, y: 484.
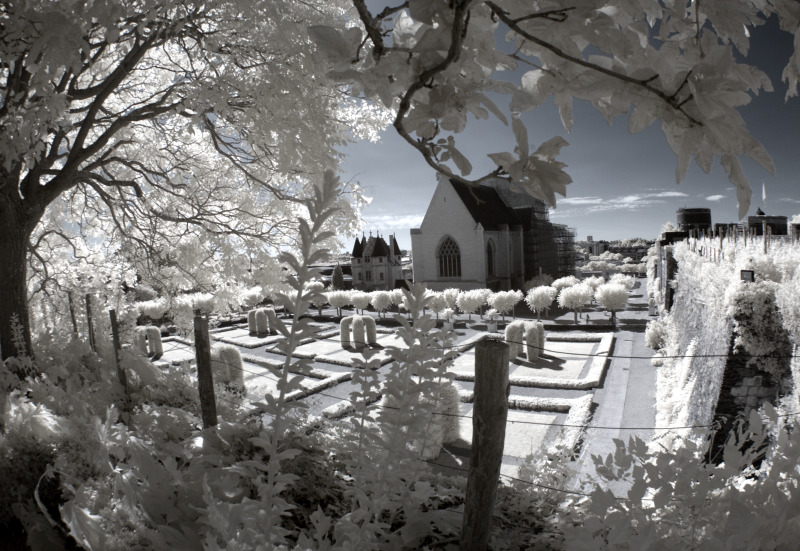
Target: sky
x: 623, y: 185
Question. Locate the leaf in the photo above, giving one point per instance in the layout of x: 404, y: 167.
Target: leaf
x: 737, y: 178
x: 491, y: 106
x: 757, y: 152
x: 331, y: 42
x: 521, y: 133
x: 550, y: 149
x: 563, y: 101
x: 640, y: 118
x: 83, y: 526
x: 460, y: 160
x: 503, y: 159
x: 423, y: 10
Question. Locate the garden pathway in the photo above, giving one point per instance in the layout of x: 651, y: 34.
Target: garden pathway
x: 545, y: 395
x: 626, y: 402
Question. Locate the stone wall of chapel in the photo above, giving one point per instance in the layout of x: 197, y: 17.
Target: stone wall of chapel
x: 447, y: 216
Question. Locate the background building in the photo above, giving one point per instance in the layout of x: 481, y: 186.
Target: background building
x: 696, y: 220
x: 376, y: 265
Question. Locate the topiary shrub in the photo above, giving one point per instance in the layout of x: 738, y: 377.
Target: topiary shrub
x: 514, y: 335
x: 372, y: 330
x: 251, y: 322
x: 344, y: 331
x: 226, y: 366
x: 532, y: 347
x: 140, y: 340
x: 359, y: 337
x: 272, y: 321
x: 540, y: 326
x: 262, y: 324
x: 155, y: 348
x: 443, y: 427
x: 364, y: 331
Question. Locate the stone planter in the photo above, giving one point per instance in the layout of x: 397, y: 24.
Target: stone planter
x: 492, y: 327
x: 448, y: 326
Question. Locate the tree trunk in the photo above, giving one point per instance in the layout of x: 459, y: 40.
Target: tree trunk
x: 13, y: 275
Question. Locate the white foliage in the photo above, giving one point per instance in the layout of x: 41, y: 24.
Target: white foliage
x: 451, y: 297
x: 380, y: 300
x: 623, y: 279
x: 338, y: 299
x: 542, y: 280
x: 564, y: 282
x: 437, y: 303
x: 153, y: 309
x: 251, y: 296
x: 194, y: 302
x: 540, y: 298
x: 504, y: 301
x: 360, y: 300
x: 397, y: 297
x: 612, y: 296
x: 469, y: 301
x: 575, y: 297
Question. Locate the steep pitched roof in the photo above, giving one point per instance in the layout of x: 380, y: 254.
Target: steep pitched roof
x: 358, y: 250
x: 376, y: 246
x: 485, y: 205
x: 397, y: 250
x: 380, y: 248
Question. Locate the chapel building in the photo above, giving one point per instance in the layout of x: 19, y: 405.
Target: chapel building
x: 488, y: 236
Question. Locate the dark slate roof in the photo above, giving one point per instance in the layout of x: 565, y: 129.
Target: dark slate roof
x: 380, y: 248
x: 358, y: 250
x: 485, y: 205
x: 375, y: 246
x: 397, y: 250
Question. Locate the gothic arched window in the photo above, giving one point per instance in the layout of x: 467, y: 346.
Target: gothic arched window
x: 490, y: 258
x: 449, y: 257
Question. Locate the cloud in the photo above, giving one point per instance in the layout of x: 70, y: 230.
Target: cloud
x: 579, y: 206
x: 391, y: 223
x: 579, y: 201
x: 586, y: 205
x: 716, y: 197
x: 667, y: 194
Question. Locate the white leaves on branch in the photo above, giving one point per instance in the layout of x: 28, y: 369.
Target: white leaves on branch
x: 540, y: 298
x: 612, y: 296
x: 435, y: 63
x: 575, y: 297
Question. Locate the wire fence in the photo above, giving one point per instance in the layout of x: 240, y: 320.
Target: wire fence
x: 364, y: 345
x: 181, y: 345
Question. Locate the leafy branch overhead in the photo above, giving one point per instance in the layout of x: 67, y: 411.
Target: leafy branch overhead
x: 434, y: 63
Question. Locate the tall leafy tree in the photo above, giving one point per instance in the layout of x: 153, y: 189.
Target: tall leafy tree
x: 159, y: 124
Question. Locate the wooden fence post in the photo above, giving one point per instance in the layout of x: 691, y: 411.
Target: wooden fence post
x: 90, y: 322
x: 205, y: 381
x: 123, y: 379
x: 489, y: 415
